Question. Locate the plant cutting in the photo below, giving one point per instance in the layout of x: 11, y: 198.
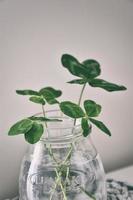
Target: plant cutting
x: 69, y: 168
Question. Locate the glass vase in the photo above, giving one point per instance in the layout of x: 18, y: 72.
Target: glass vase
x: 63, y: 165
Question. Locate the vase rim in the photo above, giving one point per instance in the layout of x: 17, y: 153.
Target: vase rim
x: 62, y: 130
x: 63, y: 117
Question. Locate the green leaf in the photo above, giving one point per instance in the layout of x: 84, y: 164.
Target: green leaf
x: 88, y: 69
x: 44, y: 119
x: 27, y: 92
x: 74, y: 67
x: 101, y: 126
x: 92, y: 109
x: 37, y: 99
x: 85, y: 126
x: 34, y: 134
x: 106, y: 85
x: 20, y: 127
x: 71, y: 109
x: 93, y: 68
x: 78, y: 81
x: 50, y: 94
x: 52, y: 101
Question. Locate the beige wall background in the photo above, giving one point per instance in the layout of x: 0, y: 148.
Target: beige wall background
x: 33, y: 36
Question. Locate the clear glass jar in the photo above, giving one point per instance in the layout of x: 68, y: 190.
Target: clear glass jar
x: 63, y: 165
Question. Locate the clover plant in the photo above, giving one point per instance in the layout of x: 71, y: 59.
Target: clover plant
x: 32, y: 128
x: 87, y: 73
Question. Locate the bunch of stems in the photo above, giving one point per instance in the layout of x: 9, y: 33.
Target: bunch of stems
x: 66, y: 162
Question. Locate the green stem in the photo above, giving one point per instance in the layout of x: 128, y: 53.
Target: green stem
x: 53, y: 190
x: 45, y: 121
x: 67, y: 175
x: 69, y: 153
x: 44, y: 114
x: 52, y: 155
x: 62, y: 188
x: 81, y: 94
x: 58, y: 174
x: 80, y: 98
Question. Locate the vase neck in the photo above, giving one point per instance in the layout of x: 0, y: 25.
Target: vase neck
x: 62, y: 128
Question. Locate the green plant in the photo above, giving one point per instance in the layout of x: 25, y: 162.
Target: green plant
x: 87, y: 71
x: 32, y: 127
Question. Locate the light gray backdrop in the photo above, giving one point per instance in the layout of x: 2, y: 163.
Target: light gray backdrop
x: 33, y: 36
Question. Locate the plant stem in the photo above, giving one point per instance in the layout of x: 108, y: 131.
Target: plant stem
x: 53, y: 190
x: 81, y: 94
x: 45, y: 121
x: 62, y: 188
x: 44, y: 114
x: 80, y: 98
x: 52, y: 155
x: 58, y: 168
x: 69, y: 153
x: 67, y: 175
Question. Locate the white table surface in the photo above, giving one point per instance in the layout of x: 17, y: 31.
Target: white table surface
x: 124, y: 175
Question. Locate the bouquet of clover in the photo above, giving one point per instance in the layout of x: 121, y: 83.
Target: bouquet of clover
x: 87, y: 73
